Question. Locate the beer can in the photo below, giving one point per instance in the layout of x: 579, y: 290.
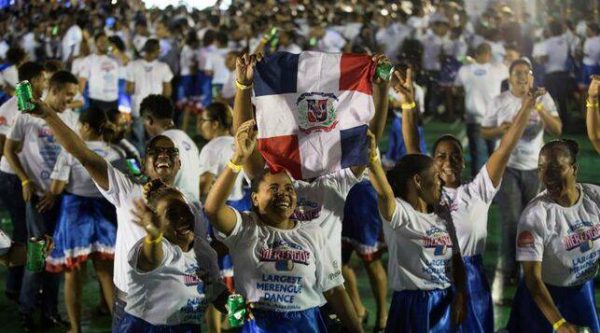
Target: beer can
x: 24, y: 94
x: 236, y: 310
x: 36, y: 257
x: 384, y: 71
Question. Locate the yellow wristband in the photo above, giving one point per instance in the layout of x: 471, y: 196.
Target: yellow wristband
x: 408, y: 106
x: 558, y: 324
x: 234, y: 167
x: 25, y: 182
x: 242, y: 86
x: 153, y: 241
x: 591, y: 104
x: 539, y: 107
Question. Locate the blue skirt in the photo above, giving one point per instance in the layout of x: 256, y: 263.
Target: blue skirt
x: 586, y: 72
x: 420, y: 311
x: 86, y: 228
x: 480, y: 311
x: 187, y: 88
x: 307, y: 321
x: 362, y: 226
x: 133, y: 324
x: 576, y: 304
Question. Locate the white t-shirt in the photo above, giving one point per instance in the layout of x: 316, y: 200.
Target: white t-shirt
x: 69, y: 169
x: 102, y: 74
x: 9, y: 77
x: 71, y: 42
x: 188, y: 177
x: 228, y: 90
x: 8, y: 116
x: 213, y: 159
x: 564, y: 239
x: 122, y: 191
x: 80, y: 65
x: 39, y: 147
x: 280, y: 270
x: 469, y: 205
x: 187, y: 59
x: 148, y: 78
x: 5, y: 243
x: 504, y: 108
x: 171, y: 294
x: 420, y: 249
x: 215, y: 62
x: 556, y: 49
x: 332, y: 42
x: 591, y: 51
x: 322, y: 202
x: 481, y: 83
x: 138, y: 42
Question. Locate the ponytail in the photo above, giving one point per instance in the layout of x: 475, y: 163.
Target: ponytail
x: 99, y: 122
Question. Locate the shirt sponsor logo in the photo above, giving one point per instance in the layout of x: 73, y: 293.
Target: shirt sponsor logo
x: 306, y: 210
x: 582, y: 235
x: 284, y: 254
x: 3, y: 121
x: 437, y: 239
x: 525, y: 239
x: 190, y: 277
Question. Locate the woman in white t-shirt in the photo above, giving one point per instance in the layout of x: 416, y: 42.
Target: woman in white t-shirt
x: 165, y: 294
x: 558, y: 247
x: 469, y: 202
x: 422, y: 246
x: 86, y: 226
x: 213, y: 124
x: 282, y: 266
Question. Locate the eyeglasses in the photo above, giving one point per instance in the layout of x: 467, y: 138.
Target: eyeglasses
x: 155, y: 151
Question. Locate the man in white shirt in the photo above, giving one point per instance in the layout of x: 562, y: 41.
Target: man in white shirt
x: 591, y: 55
x: 327, y: 40
x: 520, y: 183
x: 32, y: 138
x: 481, y: 82
x: 9, y: 182
x: 144, y: 77
x: 9, y: 75
x: 71, y: 41
x: 157, y: 112
x: 215, y: 63
x: 101, y: 74
x: 554, y: 55
x: 435, y: 42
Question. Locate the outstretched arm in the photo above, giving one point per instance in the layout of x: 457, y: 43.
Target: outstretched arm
x: 385, y: 195
x: 242, y: 106
x: 497, y: 163
x: 593, y: 113
x: 221, y: 216
x: 404, y: 87
x: 95, y: 165
x: 532, y: 271
x: 381, y: 102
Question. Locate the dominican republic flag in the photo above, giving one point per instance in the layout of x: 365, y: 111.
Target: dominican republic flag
x: 312, y: 111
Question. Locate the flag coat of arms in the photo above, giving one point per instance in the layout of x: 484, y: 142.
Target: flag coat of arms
x: 312, y: 111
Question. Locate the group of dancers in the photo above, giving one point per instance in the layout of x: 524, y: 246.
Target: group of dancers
x: 284, y: 236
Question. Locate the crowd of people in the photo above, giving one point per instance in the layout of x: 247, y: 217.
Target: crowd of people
x: 106, y: 168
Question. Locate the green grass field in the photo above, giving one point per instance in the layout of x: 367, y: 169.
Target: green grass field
x: 588, y: 172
